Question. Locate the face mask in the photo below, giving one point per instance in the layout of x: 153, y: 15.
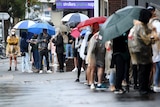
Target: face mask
x: 13, y: 33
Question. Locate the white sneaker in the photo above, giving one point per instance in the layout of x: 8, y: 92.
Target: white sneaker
x: 41, y: 71
x: 75, y: 69
x: 82, y: 69
x: 49, y: 71
x: 92, y: 87
x: 156, y: 89
x: 30, y: 71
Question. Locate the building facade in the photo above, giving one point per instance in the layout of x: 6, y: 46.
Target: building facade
x: 94, y: 8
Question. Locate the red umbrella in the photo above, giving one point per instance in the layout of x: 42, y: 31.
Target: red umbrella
x: 75, y: 33
x: 91, y: 20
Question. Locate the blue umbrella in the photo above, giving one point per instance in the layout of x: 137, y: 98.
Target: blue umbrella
x: 25, y: 24
x: 38, y: 28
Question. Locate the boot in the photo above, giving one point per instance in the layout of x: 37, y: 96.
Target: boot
x: 9, y: 69
x: 16, y: 69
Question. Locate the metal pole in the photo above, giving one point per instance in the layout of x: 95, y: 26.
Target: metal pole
x: 3, y: 30
x: 96, y: 8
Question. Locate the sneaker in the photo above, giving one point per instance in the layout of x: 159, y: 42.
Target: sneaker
x: 92, y: 87
x: 77, y: 80
x: 87, y: 84
x: 30, y: 71
x: 156, y: 89
x: 41, y: 71
x: 49, y: 71
x: 101, y: 87
x: 82, y: 69
x: 75, y: 69
x: 119, y: 91
x: 61, y: 71
x: 23, y: 71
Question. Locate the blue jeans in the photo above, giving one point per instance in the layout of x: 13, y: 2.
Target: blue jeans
x: 36, y: 59
x: 157, y: 74
x: 112, y: 77
x: 26, y: 62
x: 69, y: 50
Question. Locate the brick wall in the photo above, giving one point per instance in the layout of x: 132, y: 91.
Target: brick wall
x: 115, y: 5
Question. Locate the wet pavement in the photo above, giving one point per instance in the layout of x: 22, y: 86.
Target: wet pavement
x: 59, y: 90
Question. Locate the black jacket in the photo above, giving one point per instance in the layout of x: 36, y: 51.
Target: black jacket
x: 58, y: 42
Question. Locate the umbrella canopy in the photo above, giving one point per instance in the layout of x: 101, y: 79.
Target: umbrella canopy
x: 64, y: 28
x: 72, y: 24
x: 38, y: 28
x: 25, y: 24
x: 119, y: 22
x: 74, y: 17
x: 91, y: 20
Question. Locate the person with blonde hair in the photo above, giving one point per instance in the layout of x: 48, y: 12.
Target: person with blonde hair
x: 12, y: 49
x: 58, y: 42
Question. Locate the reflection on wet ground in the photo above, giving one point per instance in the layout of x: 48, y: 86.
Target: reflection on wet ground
x: 19, y: 89
x: 63, y: 93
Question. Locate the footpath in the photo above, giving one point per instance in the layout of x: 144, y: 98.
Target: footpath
x: 19, y: 89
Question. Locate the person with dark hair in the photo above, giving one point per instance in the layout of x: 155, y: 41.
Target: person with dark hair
x: 120, y: 59
x: 34, y: 50
x: 24, y: 53
x: 145, y: 38
x: 43, y: 40
x: 69, y: 49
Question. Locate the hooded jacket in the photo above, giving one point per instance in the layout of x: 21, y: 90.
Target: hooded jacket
x: 144, y: 43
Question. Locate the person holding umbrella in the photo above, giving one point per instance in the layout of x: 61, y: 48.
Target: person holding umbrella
x: 25, y: 53
x: 43, y: 41
x: 34, y: 50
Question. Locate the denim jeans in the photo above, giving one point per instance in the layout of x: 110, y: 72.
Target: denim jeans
x: 26, y: 62
x: 69, y: 50
x: 157, y: 74
x: 36, y: 59
x: 112, y: 77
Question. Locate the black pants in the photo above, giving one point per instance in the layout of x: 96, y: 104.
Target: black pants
x: 144, y: 73
x: 60, y: 57
x: 120, y: 70
x: 44, y: 53
x: 135, y: 74
x: 79, y: 65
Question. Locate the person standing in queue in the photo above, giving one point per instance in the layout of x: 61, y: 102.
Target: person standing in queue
x: 12, y: 49
x: 58, y: 42
x: 43, y: 41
